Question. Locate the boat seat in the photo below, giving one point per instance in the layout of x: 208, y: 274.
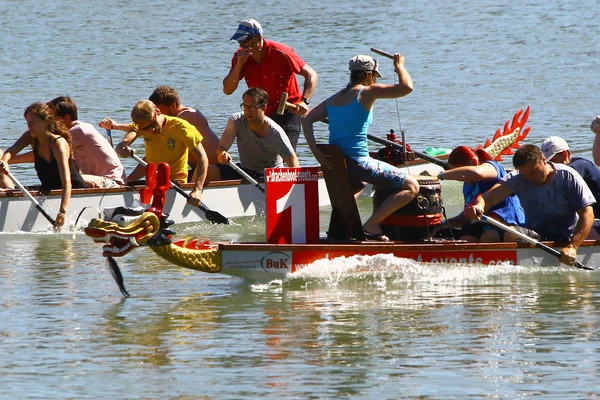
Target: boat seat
x: 345, y: 224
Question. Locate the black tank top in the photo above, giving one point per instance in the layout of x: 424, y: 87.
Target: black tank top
x: 49, y: 174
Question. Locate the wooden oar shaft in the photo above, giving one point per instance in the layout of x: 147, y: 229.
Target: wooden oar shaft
x: 31, y: 198
x: 246, y: 176
x: 530, y: 240
x: 423, y: 156
x: 382, y: 53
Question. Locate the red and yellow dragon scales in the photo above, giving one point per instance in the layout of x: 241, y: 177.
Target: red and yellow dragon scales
x: 124, y: 229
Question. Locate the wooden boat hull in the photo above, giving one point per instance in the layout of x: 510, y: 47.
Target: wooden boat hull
x: 264, y: 262
x: 230, y: 198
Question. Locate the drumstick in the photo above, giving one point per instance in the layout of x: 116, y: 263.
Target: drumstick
x: 282, y: 103
x: 382, y: 53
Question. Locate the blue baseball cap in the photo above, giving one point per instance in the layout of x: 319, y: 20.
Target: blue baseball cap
x: 246, y: 28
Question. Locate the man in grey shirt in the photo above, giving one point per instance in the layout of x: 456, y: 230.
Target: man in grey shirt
x: 261, y: 142
x: 556, y: 200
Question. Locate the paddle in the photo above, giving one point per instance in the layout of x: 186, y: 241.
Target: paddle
x: 386, y: 142
x: 109, y: 137
x: 246, y: 176
x: 212, y: 216
x: 31, y: 198
x: 530, y: 240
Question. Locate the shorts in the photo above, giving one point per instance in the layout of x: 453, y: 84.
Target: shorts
x: 228, y: 173
x: 102, y: 182
x: 290, y: 123
x: 378, y: 173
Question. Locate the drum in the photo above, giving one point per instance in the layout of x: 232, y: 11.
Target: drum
x: 416, y: 220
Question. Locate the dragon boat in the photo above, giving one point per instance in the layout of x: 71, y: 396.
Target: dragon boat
x: 230, y: 198
x: 289, y: 249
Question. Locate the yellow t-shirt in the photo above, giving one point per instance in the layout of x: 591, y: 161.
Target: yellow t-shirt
x: 171, y: 145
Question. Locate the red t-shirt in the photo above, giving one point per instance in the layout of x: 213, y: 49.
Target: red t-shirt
x: 276, y: 73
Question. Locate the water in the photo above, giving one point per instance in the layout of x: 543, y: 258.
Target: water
x: 405, y: 331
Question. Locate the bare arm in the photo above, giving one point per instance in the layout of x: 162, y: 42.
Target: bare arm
x: 483, y: 203
x: 595, y: 127
x: 23, y: 158
x: 582, y: 229
x: 111, y: 124
x: 232, y: 80
x: 470, y: 174
x: 123, y: 149
x: 378, y: 91
x: 318, y: 113
x: 61, y: 152
x: 225, y: 143
x: 291, y: 161
x: 310, y: 83
x: 19, y: 145
x: 199, y: 174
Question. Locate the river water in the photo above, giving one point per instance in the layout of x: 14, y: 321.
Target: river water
x: 407, y: 331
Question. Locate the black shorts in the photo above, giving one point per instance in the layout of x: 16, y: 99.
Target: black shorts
x: 290, y: 123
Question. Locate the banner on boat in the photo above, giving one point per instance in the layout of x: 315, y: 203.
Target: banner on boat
x: 292, y: 203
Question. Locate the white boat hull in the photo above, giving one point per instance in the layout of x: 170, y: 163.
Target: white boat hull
x: 230, y: 198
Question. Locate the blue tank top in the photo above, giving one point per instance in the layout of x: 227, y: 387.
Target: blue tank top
x: 49, y: 174
x: 348, y: 127
x: 509, y: 209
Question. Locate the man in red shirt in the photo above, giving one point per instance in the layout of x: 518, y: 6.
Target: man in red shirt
x: 273, y: 67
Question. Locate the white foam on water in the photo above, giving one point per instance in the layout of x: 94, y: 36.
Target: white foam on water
x: 386, y: 266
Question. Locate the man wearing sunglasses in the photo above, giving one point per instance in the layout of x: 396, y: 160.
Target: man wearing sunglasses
x: 273, y: 67
x: 261, y: 142
x: 167, y: 139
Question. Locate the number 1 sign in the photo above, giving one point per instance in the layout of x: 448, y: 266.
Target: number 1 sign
x: 292, y: 202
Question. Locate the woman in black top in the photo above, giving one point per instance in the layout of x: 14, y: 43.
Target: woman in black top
x: 53, y: 154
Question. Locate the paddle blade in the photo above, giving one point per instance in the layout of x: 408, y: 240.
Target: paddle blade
x: 216, y: 217
x: 115, y: 271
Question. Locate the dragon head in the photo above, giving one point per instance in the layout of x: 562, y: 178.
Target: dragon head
x: 125, y: 228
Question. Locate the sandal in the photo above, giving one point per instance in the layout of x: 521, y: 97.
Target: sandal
x: 378, y: 237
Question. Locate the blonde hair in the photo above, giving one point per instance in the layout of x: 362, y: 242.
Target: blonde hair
x: 143, y: 110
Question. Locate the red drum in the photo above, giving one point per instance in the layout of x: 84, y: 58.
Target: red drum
x: 416, y: 220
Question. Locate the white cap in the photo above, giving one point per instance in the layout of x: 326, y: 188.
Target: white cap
x: 552, y: 146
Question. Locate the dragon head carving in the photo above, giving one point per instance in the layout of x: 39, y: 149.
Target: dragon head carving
x: 125, y: 228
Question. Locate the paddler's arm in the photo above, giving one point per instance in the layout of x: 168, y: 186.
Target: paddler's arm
x: 470, y: 174
x: 225, y: 143
x: 595, y: 127
x: 111, y: 124
x: 19, y: 145
x: 123, y: 149
x: 199, y: 174
x: 489, y: 199
x: 310, y: 83
x: 23, y: 158
x: 582, y: 230
x: 291, y: 161
x: 319, y: 113
x: 61, y: 152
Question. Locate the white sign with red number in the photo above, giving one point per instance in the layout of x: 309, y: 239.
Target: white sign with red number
x: 292, y: 202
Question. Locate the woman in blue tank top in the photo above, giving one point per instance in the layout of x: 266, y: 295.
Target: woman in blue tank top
x: 350, y: 113
x: 53, y: 154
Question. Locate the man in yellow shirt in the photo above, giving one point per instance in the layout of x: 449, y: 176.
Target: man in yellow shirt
x: 167, y: 139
